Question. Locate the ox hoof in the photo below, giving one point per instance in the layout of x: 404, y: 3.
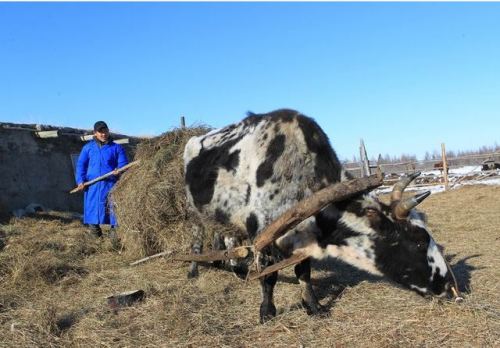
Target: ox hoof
x: 315, y: 309
x: 240, y: 271
x: 267, y: 312
x: 193, y: 273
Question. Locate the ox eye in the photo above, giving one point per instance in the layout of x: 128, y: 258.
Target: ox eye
x: 370, y: 212
x: 421, y: 246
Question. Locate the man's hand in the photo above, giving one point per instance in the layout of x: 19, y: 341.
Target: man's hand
x: 80, y: 187
x: 116, y: 172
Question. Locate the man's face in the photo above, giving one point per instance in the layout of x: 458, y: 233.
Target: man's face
x: 102, y: 134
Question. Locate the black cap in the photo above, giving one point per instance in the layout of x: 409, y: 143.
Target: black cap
x: 100, y: 125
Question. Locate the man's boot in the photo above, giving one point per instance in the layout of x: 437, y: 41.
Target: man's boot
x: 95, y: 230
x: 115, y: 241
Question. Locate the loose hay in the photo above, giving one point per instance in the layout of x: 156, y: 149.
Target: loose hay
x: 149, y: 199
x: 218, y: 310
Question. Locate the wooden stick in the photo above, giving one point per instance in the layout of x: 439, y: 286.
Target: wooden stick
x: 216, y: 255
x: 163, y: 253
x: 312, y: 205
x: 118, y: 171
x: 292, y: 260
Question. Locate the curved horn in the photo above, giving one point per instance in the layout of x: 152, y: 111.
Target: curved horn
x: 402, y: 209
x: 399, y: 187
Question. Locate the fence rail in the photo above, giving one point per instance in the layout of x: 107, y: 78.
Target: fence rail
x: 359, y: 169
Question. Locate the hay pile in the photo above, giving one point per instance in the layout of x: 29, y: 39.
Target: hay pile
x: 149, y: 199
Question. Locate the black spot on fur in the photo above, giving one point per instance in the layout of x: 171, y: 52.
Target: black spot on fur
x: 221, y: 216
x: 252, y: 225
x: 247, y: 197
x: 233, y: 161
x: 332, y: 232
x: 275, y: 149
x: 202, y: 171
x: 327, y: 164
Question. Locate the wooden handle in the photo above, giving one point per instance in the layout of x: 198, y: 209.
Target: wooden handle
x: 119, y: 170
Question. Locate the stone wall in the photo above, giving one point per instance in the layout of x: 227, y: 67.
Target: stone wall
x: 37, y: 170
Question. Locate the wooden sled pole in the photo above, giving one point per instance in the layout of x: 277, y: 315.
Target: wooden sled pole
x: 292, y: 260
x: 313, y: 204
x: 163, y: 253
x: 216, y: 255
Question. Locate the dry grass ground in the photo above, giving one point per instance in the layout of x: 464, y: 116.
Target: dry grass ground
x: 54, y: 280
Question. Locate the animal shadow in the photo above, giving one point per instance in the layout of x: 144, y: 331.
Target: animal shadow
x: 342, y: 275
x: 331, y: 286
x: 463, y: 271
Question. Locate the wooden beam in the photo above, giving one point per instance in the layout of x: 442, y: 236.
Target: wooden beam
x: 312, y: 205
x: 216, y: 255
x: 292, y: 260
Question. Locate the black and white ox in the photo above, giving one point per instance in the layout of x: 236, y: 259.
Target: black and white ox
x: 247, y: 174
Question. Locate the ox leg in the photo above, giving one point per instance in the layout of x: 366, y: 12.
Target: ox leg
x: 196, y: 248
x: 267, y: 308
x: 218, y: 244
x: 309, y: 299
x: 239, y: 268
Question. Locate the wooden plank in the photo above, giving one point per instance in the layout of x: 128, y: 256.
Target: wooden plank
x: 122, y: 141
x: 47, y: 134
x: 87, y: 137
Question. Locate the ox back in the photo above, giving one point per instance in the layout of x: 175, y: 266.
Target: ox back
x: 249, y: 173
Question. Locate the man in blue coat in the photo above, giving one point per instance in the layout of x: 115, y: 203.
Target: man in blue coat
x: 98, y: 157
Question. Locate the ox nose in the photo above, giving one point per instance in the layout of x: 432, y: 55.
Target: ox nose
x: 454, y: 293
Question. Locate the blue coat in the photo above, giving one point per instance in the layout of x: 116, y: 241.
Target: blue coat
x: 96, y: 160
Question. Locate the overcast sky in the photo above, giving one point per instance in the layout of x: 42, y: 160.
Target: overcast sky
x: 405, y: 77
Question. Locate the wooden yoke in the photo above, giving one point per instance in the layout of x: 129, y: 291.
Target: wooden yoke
x: 312, y: 204
x: 291, y: 218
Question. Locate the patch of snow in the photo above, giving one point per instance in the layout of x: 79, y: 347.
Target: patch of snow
x: 456, y: 180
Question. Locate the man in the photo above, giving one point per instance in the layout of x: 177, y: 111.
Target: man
x: 98, y: 157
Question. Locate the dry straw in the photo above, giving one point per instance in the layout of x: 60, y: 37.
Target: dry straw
x: 54, y: 279
x: 149, y: 199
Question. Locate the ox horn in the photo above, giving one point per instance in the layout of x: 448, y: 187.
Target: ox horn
x: 401, y: 209
x: 399, y: 187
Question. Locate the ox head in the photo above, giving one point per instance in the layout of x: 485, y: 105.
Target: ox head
x: 396, y: 240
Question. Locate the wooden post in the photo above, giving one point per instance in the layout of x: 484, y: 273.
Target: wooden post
x: 445, y: 166
x: 365, y: 165
x: 183, y: 122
